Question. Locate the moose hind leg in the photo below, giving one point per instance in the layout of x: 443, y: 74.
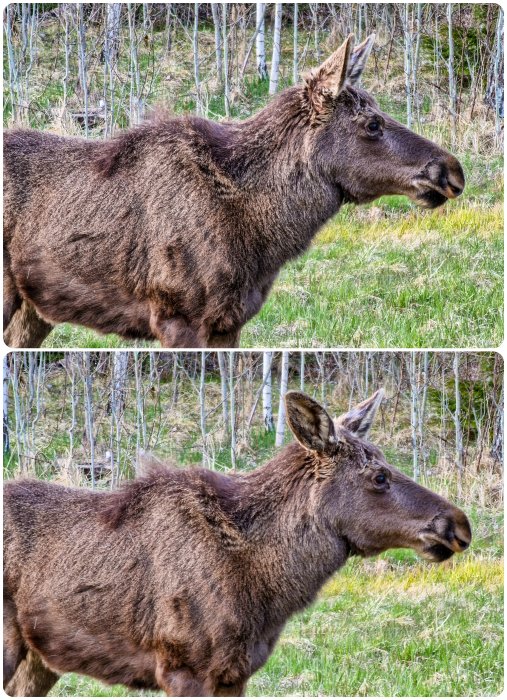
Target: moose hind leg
x: 26, y: 328
x: 33, y: 679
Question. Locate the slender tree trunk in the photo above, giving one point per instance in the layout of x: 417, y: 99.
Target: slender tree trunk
x: 457, y: 422
x: 267, y: 407
x: 195, y: 46
x: 295, y: 71
x: 223, y: 389
x: 232, y: 410
x: 215, y: 11
x: 452, y: 79
x: 89, y: 420
x: 413, y: 415
x: 284, y: 377
x: 227, y: 95
x: 275, y: 60
x: 260, y: 49
x: 83, y: 79
x: 407, y: 61
x: 6, y: 377
x: 202, y: 407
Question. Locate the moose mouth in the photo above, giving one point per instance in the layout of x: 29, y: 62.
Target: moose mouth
x: 437, y: 552
x: 431, y: 199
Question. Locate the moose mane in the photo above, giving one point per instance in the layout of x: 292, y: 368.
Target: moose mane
x: 208, y: 497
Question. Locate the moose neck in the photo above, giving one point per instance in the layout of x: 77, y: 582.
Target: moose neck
x: 296, y: 549
x: 272, y: 160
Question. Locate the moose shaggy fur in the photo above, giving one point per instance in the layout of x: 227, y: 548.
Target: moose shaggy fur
x: 184, y: 579
x: 176, y: 230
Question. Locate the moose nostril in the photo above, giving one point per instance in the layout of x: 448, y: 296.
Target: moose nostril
x: 462, y: 543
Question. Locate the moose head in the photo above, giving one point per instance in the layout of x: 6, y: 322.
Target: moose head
x: 363, y: 150
x: 369, y: 503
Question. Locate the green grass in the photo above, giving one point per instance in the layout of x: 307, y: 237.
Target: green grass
x: 386, y: 275
x: 391, y: 626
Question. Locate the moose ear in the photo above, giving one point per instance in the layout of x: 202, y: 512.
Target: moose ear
x: 311, y: 424
x: 358, y: 60
x: 326, y: 82
x: 359, y: 420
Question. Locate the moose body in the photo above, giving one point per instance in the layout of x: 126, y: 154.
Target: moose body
x: 183, y: 580
x: 176, y: 230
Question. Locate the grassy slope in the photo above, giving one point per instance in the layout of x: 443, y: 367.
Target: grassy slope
x: 391, y: 626
x: 387, y: 275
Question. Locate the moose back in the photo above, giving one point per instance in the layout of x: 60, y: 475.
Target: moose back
x: 183, y: 580
x: 176, y: 230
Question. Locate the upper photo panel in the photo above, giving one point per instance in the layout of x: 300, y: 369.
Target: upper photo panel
x: 256, y: 175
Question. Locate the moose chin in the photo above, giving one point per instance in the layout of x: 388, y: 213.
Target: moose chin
x: 183, y: 580
x: 177, y: 229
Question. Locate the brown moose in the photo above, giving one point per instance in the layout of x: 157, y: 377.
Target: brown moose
x: 176, y: 230
x: 183, y: 580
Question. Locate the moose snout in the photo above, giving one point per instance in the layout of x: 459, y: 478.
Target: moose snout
x: 442, y: 179
x: 447, y: 534
x: 452, y: 178
x: 459, y: 532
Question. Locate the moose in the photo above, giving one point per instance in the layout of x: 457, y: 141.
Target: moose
x: 183, y: 580
x: 176, y: 230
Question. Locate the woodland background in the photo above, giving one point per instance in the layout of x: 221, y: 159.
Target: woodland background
x: 389, y: 626
x: 385, y: 275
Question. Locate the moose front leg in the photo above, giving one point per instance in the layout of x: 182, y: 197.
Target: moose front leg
x: 33, y: 679
x: 180, y: 682
x: 224, y: 340
x: 173, y: 331
x: 26, y: 329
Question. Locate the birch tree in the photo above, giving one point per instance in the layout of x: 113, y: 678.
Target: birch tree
x: 260, y: 49
x: 295, y: 70
x: 284, y: 377
x: 452, y: 80
x: 458, y: 433
x: 267, y: 407
x: 215, y: 11
x: 277, y: 44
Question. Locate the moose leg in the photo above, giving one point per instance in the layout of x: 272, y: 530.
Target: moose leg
x: 224, y: 340
x: 32, y: 679
x: 26, y: 328
x: 235, y: 690
x: 179, y: 683
x: 173, y: 331
x: 14, y: 647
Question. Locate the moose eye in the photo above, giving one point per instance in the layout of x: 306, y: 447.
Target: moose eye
x: 373, y: 127
x: 380, y: 479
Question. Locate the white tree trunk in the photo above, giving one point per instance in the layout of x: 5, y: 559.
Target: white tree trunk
x: 260, y: 49
x: 215, y: 11
x: 275, y: 60
x: 227, y: 95
x: 7, y: 446
x: 295, y: 72
x: 284, y: 377
x: 267, y: 407
x: 232, y: 410
x: 202, y: 408
x: 195, y: 46
x: 457, y: 421
x: 413, y: 415
x: 452, y: 79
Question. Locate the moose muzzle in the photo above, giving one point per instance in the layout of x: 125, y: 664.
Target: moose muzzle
x: 441, y: 179
x: 447, y: 534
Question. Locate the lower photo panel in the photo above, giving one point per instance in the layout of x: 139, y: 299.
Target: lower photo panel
x: 253, y: 523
